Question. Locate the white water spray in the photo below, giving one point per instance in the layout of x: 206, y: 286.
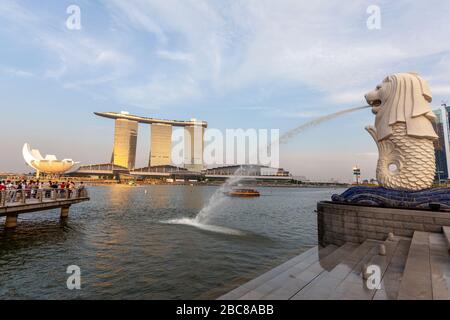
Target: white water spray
x: 206, y: 227
x: 219, y: 197
x: 203, y: 218
x: 285, y: 138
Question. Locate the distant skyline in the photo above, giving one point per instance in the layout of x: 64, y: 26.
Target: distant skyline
x: 235, y: 64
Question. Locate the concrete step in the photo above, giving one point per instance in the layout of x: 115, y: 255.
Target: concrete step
x: 283, y: 284
x: 325, y: 286
x: 390, y: 284
x: 301, y: 261
x: 355, y: 287
x: 440, y: 266
x: 286, y: 285
x: 427, y: 271
x: 416, y: 282
x: 446, y: 231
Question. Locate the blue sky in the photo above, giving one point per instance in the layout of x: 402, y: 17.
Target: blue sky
x: 235, y: 64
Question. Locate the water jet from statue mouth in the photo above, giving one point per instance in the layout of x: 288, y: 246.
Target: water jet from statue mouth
x: 296, y: 131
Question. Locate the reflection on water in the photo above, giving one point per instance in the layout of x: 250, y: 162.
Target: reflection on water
x: 126, y: 249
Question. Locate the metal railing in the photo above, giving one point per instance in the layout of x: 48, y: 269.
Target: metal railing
x: 33, y: 196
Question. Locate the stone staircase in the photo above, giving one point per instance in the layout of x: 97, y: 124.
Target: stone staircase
x: 417, y: 268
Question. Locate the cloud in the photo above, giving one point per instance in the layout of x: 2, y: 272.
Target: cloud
x: 174, y: 55
x: 227, y: 47
x: 368, y: 154
x: 159, y: 92
x: 14, y: 12
x: 138, y: 18
x: 441, y: 90
x: 80, y: 84
x: 17, y: 72
x: 84, y: 57
x: 238, y: 45
x: 349, y: 97
x: 68, y: 54
x: 294, y: 114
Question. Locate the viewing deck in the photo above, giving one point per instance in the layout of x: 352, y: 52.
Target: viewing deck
x: 175, y: 123
x: 16, y: 202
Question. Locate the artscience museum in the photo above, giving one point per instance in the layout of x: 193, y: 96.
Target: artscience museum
x: 48, y: 164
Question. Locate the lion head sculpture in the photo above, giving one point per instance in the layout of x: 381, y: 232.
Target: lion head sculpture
x: 402, y: 97
x: 403, y: 132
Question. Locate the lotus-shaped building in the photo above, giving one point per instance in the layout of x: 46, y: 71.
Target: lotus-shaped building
x: 49, y: 165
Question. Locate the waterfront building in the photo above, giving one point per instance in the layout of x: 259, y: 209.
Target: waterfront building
x: 105, y: 171
x: 125, y: 140
x: 247, y: 170
x: 113, y: 173
x: 441, y: 145
x: 193, y: 147
x: 168, y: 173
x: 48, y: 164
x: 161, y: 145
x: 4, y: 176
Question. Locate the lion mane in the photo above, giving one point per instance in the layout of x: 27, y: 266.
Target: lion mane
x: 405, y: 97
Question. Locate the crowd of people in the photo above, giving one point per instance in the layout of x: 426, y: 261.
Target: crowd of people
x: 31, y: 187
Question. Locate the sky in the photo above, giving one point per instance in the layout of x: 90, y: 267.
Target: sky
x: 236, y: 64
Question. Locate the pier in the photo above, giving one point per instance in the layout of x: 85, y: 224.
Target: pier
x: 16, y: 202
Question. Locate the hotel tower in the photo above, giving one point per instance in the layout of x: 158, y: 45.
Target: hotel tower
x: 125, y: 140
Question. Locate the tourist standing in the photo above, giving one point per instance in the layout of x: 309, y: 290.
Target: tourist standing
x: 80, y: 189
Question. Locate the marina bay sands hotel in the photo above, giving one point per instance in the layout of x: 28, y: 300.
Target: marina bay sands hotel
x: 125, y: 140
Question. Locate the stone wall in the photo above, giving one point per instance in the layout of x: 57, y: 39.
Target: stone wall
x: 340, y: 223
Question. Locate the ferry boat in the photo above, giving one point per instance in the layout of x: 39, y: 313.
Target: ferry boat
x: 243, y: 193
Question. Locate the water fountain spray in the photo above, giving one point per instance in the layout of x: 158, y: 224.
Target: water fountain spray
x: 218, y: 198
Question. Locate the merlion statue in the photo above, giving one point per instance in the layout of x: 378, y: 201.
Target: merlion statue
x: 403, y: 132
